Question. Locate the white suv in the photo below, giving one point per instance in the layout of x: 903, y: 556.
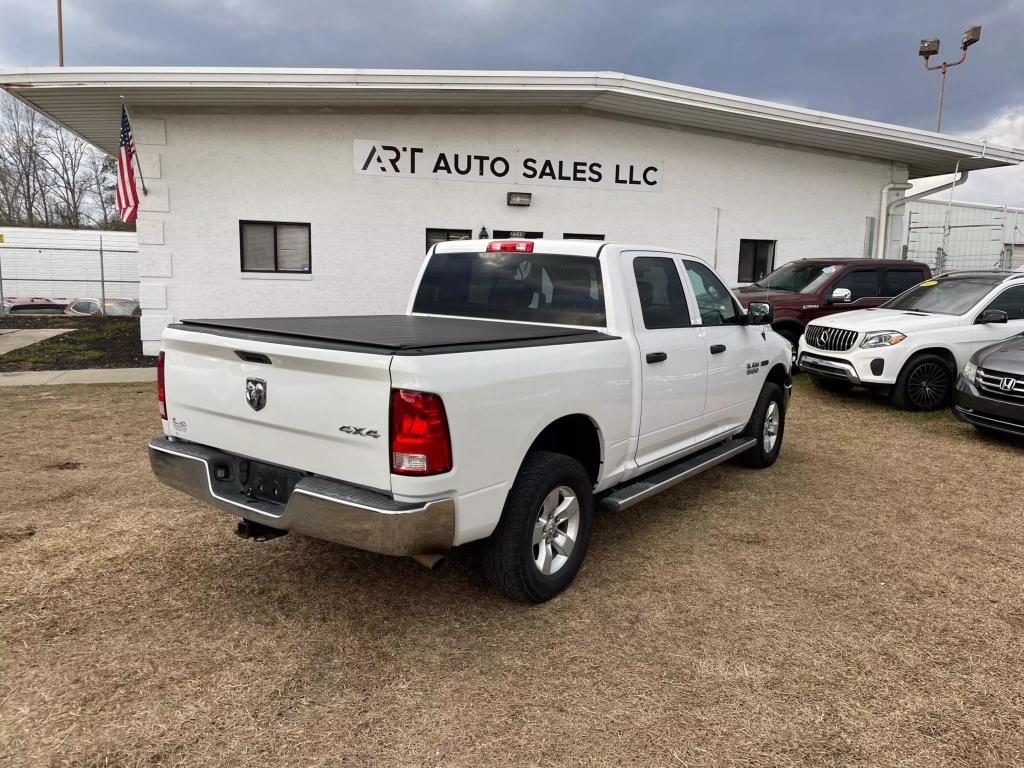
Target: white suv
x: 914, y: 344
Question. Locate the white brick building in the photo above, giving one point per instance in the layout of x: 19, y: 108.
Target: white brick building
x: 361, y: 169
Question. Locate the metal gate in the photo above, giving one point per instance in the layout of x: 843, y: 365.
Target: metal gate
x: 962, y: 236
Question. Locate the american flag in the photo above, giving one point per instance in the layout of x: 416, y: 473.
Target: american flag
x: 127, y: 194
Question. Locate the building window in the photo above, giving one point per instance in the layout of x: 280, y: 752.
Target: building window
x: 519, y: 234
x: 435, y: 236
x: 757, y: 259
x: 580, y: 236
x: 270, y: 246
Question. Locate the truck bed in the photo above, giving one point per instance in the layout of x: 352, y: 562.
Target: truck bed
x: 394, y: 334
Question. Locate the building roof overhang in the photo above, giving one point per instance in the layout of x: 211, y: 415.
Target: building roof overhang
x: 87, y: 101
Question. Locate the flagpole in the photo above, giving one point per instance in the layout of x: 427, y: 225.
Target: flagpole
x: 135, y: 153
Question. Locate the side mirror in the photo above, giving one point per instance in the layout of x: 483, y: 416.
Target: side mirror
x: 760, y: 313
x: 992, y: 316
x: 841, y: 296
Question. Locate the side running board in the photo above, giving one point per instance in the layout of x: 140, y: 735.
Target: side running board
x: 627, y: 495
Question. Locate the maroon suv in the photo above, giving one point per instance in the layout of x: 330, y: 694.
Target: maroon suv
x: 805, y: 290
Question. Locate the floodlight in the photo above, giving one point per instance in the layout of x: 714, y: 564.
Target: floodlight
x: 929, y: 47
x: 971, y: 36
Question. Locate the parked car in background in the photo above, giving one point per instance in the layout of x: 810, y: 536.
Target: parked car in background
x: 990, y: 389
x: 118, y: 307
x: 529, y: 381
x: 34, y: 306
x: 913, y: 345
x: 805, y: 290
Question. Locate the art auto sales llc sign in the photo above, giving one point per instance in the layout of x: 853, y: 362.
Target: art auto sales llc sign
x: 405, y: 160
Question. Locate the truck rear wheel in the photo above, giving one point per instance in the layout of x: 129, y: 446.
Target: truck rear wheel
x: 539, y: 545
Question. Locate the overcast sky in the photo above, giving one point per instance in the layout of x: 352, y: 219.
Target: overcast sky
x: 856, y: 58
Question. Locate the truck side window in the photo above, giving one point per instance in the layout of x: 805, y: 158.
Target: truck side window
x: 1011, y: 301
x: 863, y: 283
x: 662, y: 300
x: 714, y: 302
x: 900, y: 279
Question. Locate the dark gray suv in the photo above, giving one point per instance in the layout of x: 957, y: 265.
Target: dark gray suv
x: 990, y: 389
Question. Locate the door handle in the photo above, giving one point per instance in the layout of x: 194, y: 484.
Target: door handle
x: 656, y: 357
x: 717, y: 349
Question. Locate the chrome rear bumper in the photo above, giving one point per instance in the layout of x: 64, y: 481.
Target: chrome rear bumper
x: 317, y: 507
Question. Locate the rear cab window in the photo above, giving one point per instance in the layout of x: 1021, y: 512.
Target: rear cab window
x: 662, y: 301
x: 523, y: 287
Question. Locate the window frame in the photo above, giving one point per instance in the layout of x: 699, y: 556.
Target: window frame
x: 879, y: 282
x: 771, y: 264
x: 737, y: 307
x: 995, y: 298
x: 516, y: 234
x: 448, y: 238
x: 275, y: 224
x: 425, y: 304
x: 888, y: 288
x: 688, y: 315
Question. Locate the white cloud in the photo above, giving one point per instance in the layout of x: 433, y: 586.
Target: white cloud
x: 997, y: 186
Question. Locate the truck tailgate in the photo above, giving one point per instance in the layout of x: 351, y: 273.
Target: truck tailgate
x: 311, y: 393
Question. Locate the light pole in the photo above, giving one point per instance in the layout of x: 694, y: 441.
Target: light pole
x: 930, y: 47
x: 60, y: 35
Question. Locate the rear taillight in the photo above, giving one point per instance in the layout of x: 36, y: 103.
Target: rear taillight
x: 161, y: 395
x: 420, y: 444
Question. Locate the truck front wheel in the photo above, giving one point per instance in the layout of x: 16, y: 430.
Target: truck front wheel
x: 767, y: 425
x: 539, y: 545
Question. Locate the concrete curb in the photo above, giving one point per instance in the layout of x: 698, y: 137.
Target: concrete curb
x: 85, y: 376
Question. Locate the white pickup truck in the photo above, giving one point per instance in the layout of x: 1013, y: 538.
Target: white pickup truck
x: 527, y: 382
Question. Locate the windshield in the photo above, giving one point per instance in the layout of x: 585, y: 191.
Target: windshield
x: 527, y: 287
x: 943, y: 297
x: 797, y: 277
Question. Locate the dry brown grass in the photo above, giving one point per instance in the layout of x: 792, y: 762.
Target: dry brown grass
x: 858, y: 604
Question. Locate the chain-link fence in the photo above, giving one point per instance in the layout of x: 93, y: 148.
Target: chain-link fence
x: 961, y: 236
x: 63, y: 274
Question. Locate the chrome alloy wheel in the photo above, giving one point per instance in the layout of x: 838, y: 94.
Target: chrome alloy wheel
x: 556, y: 530
x: 772, y: 421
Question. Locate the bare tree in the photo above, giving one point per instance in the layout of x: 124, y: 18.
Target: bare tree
x: 65, y: 158
x: 51, y: 177
x: 21, y: 150
x: 101, y: 171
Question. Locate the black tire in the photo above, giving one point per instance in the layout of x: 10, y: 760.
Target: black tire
x: 924, y: 384
x: 509, y: 554
x: 794, y: 339
x: 829, y: 384
x: 760, y: 457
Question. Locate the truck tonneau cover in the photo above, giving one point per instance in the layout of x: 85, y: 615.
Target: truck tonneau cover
x: 394, y: 334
